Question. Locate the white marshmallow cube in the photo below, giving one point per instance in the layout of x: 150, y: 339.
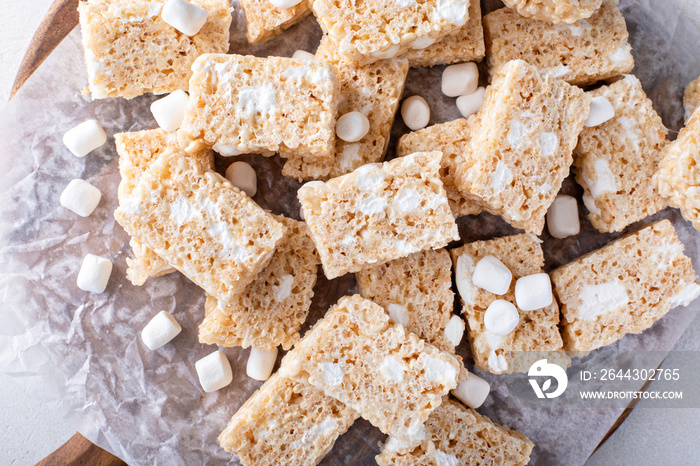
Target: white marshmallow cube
x: 243, y: 176
x: 469, y: 104
x: 562, y: 217
x: 533, y: 292
x: 492, y: 275
x: 170, y: 110
x: 304, y: 55
x: 601, y: 111
x: 226, y: 150
x: 80, y: 197
x: 283, y: 4
x: 352, y: 126
x: 214, y: 371
x: 84, y: 138
x: 415, y: 112
x: 184, y: 16
x: 501, y: 317
x: 160, y: 330
x: 472, y: 391
x: 460, y: 79
x: 454, y: 330
x: 94, y: 273
x: 260, y: 363
x: 398, y: 314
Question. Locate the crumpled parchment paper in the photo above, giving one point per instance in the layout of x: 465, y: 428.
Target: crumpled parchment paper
x: 146, y: 406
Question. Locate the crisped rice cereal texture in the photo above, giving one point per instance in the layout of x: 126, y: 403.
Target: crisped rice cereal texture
x: 264, y: 20
x: 378, y: 213
x: 272, y: 309
x: 200, y: 224
x: 691, y: 98
x: 286, y: 422
x: 623, y: 287
x: 387, y: 374
x: 422, y: 284
x: 459, y: 435
x: 537, y: 332
x: 263, y: 105
x: 615, y: 161
x: 373, y: 90
x: 520, y: 149
x: 130, y: 50
x: 555, y: 11
x: 582, y: 53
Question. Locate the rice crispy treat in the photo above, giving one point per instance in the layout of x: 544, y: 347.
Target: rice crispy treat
x: 555, y: 11
x: 376, y: 367
x: 421, y: 283
x: 623, y: 287
x: 130, y: 50
x: 374, y: 90
x: 615, y: 161
x: 137, y: 150
x: 521, y: 145
x: 263, y: 105
x: 378, y: 213
x: 286, y: 422
x: 200, y: 224
x: 691, y: 98
x: 582, y: 53
x: 373, y: 30
x: 467, y: 44
x: 537, y: 331
x: 264, y: 20
x: 272, y: 309
x: 678, y: 177
x: 459, y: 435
x: 452, y: 139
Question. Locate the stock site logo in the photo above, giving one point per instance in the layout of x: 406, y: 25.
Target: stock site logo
x: 544, y: 369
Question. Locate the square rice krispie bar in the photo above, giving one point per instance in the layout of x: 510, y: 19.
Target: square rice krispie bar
x: 286, y: 422
x: 374, y: 30
x: 537, y: 331
x: 137, y: 150
x: 467, y: 44
x: 422, y: 285
x: 375, y: 91
x: 264, y: 20
x: 554, y: 11
x: 387, y: 374
x: 691, y: 98
x: 272, y: 309
x: 452, y: 139
x: 378, y: 213
x: 623, y: 287
x: 200, y: 224
x: 582, y: 53
x: 678, y: 178
x: 521, y: 145
x: 241, y: 104
x: 616, y: 160
x: 130, y: 50
x: 458, y: 435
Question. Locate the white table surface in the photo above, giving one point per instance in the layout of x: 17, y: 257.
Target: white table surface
x: 31, y: 428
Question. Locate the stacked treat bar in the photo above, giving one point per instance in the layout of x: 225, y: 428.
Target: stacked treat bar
x: 389, y: 353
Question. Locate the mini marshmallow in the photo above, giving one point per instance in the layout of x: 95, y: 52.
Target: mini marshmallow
x: 260, y: 363
x: 214, y: 371
x: 501, y: 317
x: 84, y: 138
x: 398, y: 314
x: 533, y: 292
x: 282, y: 4
x: 160, y: 330
x: 226, y: 150
x: 492, y: 275
x: 304, y: 55
x: 415, y: 112
x: 454, y: 330
x: 243, y: 176
x: 562, y: 217
x: 352, y: 127
x: 460, y: 79
x: 472, y: 391
x: 94, y: 273
x: 80, y: 197
x: 469, y: 104
x: 601, y: 111
x: 184, y: 16
x: 170, y: 110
